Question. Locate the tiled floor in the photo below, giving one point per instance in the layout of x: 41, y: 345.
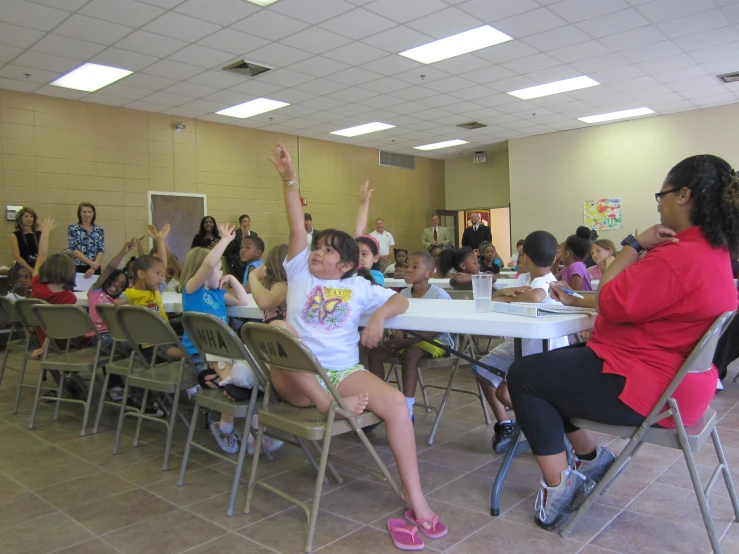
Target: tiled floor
x: 62, y: 493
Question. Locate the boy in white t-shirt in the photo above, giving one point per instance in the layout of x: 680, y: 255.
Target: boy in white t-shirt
x: 539, y: 251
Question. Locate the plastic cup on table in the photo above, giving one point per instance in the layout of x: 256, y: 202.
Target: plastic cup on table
x: 482, y: 292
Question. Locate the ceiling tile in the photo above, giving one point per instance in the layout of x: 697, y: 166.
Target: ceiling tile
x: 270, y: 25
x: 719, y: 67
x: 35, y: 76
x: 507, y: 85
x: 19, y: 37
x: 577, y: 52
x: 579, y: 10
x: 322, y: 103
x: 472, y: 93
x: 191, y: 90
x: 296, y: 111
x: 707, y: 39
x: 355, y: 53
x: 413, y: 93
x: 67, y: 5
x: 124, y: 91
x: 445, y: 23
x: 94, y: 30
x: 530, y: 23
x: 312, y: 12
x: 320, y: 86
x: 115, y: 57
x: 228, y: 97
x: 98, y: 98
x: 47, y: 62
x: 670, y: 63
x: 664, y: 10
x: 512, y: 50
x: 166, y: 4
x: 278, y: 55
x: 495, y: 10
x: 600, y: 63
x: 688, y: 25
x: 424, y: 74
x: 7, y: 53
x: 26, y: 14
x: 715, y: 100
x: 355, y: 94
x: 616, y: 74
x: 167, y: 98
x: 184, y: 112
x: 715, y: 53
x: 285, y: 78
x: 291, y: 96
x: 352, y: 109
x: 181, y: 27
x: 202, y: 57
x: 220, y: 12
x: 554, y: 74
x: 685, y: 74
x: 532, y: 63
x: 173, y: 70
x: 461, y: 64
x: 405, y: 11
x: 358, y: 24
x: 398, y: 39
x: 613, y: 23
x: 440, y: 100
x: 695, y: 93
x: 392, y: 65
x: 315, y: 40
x: 217, y: 79
x: 149, y: 82
x: 488, y: 75
x: 255, y: 88
x: 151, y: 44
x: 556, y: 38
x: 449, y: 84
x: 651, y: 52
x: 633, y: 39
x: 318, y: 66
x: 147, y: 106
x: 731, y: 12
x: 61, y: 92
x: 695, y: 83
x: 231, y: 40
x: 124, y: 12
x: 387, y: 84
x: 381, y: 102
x: 67, y: 47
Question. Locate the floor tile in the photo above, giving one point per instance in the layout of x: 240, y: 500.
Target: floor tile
x: 54, y: 473
x: 472, y: 491
x: 22, y: 507
x: 82, y: 490
x: 230, y: 543
x: 40, y: 536
x: 513, y: 538
x: 264, y: 504
x: 199, y: 485
x: 377, y: 501
x: 93, y: 546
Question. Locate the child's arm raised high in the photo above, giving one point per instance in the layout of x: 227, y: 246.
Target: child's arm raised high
x: 211, y: 260
x: 294, y: 208
x: 364, y: 195
x: 47, y: 226
x: 114, y: 263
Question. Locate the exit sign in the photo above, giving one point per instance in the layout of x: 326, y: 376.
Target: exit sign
x: 480, y: 158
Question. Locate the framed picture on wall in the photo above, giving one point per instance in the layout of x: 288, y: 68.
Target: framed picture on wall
x: 484, y: 217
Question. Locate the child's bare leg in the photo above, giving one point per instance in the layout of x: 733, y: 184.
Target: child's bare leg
x: 410, y: 358
x: 376, y: 365
x: 489, y: 391
x: 502, y: 395
x: 389, y: 404
x: 174, y: 353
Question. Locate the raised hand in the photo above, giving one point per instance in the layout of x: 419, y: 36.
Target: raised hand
x: 228, y: 231
x: 282, y: 162
x: 260, y: 272
x: 164, y: 231
x: 153, y: 231
x: 48, y: 224
x: 365, y: 193
x: 130, y: 245
x: 229, y: 280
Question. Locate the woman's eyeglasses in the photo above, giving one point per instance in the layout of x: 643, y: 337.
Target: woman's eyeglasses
x: 658, y: 195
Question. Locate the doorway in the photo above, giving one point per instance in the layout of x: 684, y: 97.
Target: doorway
x: 499, y: 221
x: 183, y: 212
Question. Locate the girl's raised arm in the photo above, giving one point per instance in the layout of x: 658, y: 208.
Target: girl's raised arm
x: 294, y: 208
x: 364, y: 195
x: 211, y: 260
x: 114, y: 263
x: 47, y: 226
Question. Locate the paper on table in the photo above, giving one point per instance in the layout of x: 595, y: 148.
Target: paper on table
x: 82, y: 283
x: 530, y: 309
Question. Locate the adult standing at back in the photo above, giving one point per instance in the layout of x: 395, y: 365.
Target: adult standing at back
x: 86, y: 241
x: 232, y: 251
x: 24, y: 240
x: 435, y: 235
x: 385, y: 242
x: 208, y: 235
x: 476, y: 234
x: 310, y: 232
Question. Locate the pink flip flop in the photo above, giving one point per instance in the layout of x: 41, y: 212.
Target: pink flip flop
x: 404, y: 537
x: 437, y: 530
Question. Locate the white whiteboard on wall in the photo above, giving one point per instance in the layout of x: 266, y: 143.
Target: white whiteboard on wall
x: 183, y: 212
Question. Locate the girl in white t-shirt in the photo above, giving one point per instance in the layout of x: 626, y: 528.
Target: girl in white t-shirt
x: 325, y: 301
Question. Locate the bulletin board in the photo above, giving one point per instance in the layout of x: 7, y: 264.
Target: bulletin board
x: 603, y: 214
x: 183, y: 212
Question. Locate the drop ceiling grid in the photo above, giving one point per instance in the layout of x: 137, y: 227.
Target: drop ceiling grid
x: 338, y: 65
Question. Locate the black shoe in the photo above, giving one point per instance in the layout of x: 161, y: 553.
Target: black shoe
x: 503, y: 436
x: 49, y: 396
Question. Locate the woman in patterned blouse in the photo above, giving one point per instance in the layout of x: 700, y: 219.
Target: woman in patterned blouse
x: 86, y: 241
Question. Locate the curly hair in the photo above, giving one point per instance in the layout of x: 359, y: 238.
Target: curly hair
x: 714, y: 191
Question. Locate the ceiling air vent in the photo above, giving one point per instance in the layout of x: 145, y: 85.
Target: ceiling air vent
x: 245, y: 68
x: 397, y: 160
x: 472, y: 125
x: 729, y: 77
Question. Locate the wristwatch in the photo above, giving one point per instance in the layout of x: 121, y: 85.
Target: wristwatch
x: 631, y: 241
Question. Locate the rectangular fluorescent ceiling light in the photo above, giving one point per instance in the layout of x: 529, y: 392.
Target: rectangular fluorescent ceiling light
x: 445, y: 144
x: 252, y: 108
x: 262, y: 2
x: 91, y: 77
x: 556, y: 87
x: 456, y: 45
x: 616, y: 115
x: 362, y: 129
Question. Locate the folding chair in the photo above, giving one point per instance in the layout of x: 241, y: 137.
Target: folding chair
x: 277, y: 348
x: 29, y: 322
x: 142, y: 326
x: 9, y: 316
x: 67, y: 322
x: 212, y: 336
x: 688, y: 439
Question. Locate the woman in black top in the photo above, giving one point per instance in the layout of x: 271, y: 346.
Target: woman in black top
x: 24, y: 241
x: 208, y: 235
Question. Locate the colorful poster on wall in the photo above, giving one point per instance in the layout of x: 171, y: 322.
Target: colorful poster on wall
x: 603, y: 214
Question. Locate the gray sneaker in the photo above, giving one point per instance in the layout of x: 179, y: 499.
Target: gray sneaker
x: 227, y: 441
x: 594, y: 470
x: 554, y: 505
x: 268, y: 443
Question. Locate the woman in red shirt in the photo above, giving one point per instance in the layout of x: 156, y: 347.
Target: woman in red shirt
x: 652, y: 313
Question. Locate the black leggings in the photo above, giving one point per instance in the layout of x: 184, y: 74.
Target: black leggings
x: 549, y: 389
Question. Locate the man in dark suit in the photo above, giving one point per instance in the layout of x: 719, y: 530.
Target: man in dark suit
x: 232, y: 251
x: 476, y: 234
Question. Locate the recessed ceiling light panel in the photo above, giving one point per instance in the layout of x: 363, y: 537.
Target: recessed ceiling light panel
x: 91, y: 77
x: 556, y: 87
x: 252, y: 108
x: 445, y: 144
x: 616, y: 115
x: 262, y: 2
x: 362, y: 129
x: 456, y: 45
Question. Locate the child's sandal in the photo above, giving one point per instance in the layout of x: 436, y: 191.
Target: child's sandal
x: 404, y: 537
x: 437, y: 529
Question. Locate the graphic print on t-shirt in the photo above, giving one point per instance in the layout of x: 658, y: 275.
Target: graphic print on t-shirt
x: 327, y: 307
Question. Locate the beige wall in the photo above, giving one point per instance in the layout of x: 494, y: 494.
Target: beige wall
x: 552, y: 175
x: 470, y: 185
x: 55, y: 153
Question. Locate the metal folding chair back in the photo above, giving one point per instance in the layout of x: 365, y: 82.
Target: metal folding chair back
x: 277, y: 348
x: 29, y: 322
x: 7, y: 309
x: 26, y: 315
x: 107, y: 314
x: 67, y: 322
x: 688, y: 439
x: 9, y: 316
x: 144, y: 326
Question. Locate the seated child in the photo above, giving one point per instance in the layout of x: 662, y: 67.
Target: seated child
x: 539, y: 251
x: 397, y: 269
x: 412, y: 349
x: 435, y: 252
x: 250, y: 253
x: 19, y: 282
x: 466, y: 265
x: 489, y: 260
x: 513, y: 263
x: 325, y: 303
x: 603, y: 253
x: 268, y: 285
x: 571, y: 254
x: 369, y: 258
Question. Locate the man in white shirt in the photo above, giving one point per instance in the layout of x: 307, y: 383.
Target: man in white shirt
x: 385, y: 241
